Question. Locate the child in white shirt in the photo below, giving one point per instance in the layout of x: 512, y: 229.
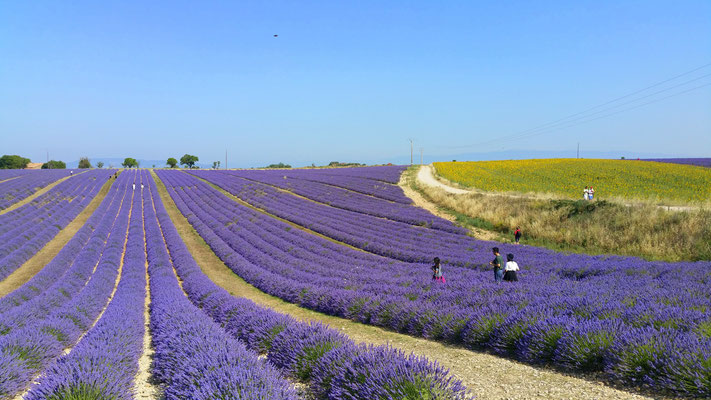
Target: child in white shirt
x: 510, y: 269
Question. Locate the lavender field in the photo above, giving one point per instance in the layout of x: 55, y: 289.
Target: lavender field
x: 77, y: 328
x: 344, y: 242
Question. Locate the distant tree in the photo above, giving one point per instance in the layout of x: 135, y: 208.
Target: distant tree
x: 280, y: 165
x: 129, y: 162
x: 13, y: 162
x: 84, y: 162
x: 188, y: 160
x: 215, y: 164
x: 172, y: 162
x: 154, y: 165
x: 51, y: 164
x: 622, y: 158
x: 100, y: 164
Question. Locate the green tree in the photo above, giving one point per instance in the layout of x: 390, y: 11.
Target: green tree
x: 84, y: 162
x: 13, y: 162
x: 51, y: 164
x: 280, y: 165
x: 188, y: 160
x: 215, y: 164
x: 129, y: 162
x: 100, y: 164
x: 172, y: 162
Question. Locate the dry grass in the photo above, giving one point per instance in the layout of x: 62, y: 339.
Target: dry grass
x: 590, y: 227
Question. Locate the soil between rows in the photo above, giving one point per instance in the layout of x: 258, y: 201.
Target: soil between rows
x: 488, y: 376
x: 35, y: 264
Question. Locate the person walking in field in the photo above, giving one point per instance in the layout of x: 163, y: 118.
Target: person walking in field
x: 510, y: 269
x: 497, y: 263
x: 586, y: 193
x: 591, y: 193
x: 437, y: 271
x: 141, y: 185
x: 134, y: 185
x: 517, y: 234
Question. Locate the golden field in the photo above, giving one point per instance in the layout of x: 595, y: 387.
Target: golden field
x: 630, y: 179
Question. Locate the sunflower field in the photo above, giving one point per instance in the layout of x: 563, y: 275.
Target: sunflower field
x: 629, y: 179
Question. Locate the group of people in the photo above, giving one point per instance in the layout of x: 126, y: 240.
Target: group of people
x: 588, y: 193
x: 502, y: 272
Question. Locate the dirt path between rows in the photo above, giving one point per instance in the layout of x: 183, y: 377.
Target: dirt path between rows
x: 426, y: 176
x: 32, y: 266
x: 488, y: 376
x: 36, y: 194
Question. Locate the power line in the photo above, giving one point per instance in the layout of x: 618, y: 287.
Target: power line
x: 614, y: 113
x: 570, y: 118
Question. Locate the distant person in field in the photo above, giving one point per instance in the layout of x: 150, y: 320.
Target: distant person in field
x: 134, y: 185
x: 510, y: 269
x: 498, y: 264
x: 437, y: 271
x: 586, y: 193
x: 591, y: 193
x: 141, y: 185
x: 71, y: 172
x: 517, y: 234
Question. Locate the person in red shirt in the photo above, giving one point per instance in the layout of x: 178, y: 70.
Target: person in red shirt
x: 517, y: 234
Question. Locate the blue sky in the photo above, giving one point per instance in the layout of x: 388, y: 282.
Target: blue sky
x: 348, y: 81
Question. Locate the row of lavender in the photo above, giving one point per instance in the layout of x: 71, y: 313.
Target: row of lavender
x: 380, y: 182
x: 641, y: 320
x: 701, y: 162
x: 333, y: 365
x: 24, y: 185
x: 339, y: 197
x: 24, y: 231
x: 54, y: 309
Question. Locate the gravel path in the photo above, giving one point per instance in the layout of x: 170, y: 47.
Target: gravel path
x: 488, y: 376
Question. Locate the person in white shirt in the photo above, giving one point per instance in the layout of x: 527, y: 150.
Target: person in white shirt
x: 586, y: 193
x: 510, y: 269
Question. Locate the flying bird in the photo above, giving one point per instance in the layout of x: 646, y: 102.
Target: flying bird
x: 276, y: 35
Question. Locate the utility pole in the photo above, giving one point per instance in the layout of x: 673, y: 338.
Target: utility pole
x: 410, y: 150
x: 47, y: 158
x: 578, y: 156
x: 225, y: 158
x: 421, y: 152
